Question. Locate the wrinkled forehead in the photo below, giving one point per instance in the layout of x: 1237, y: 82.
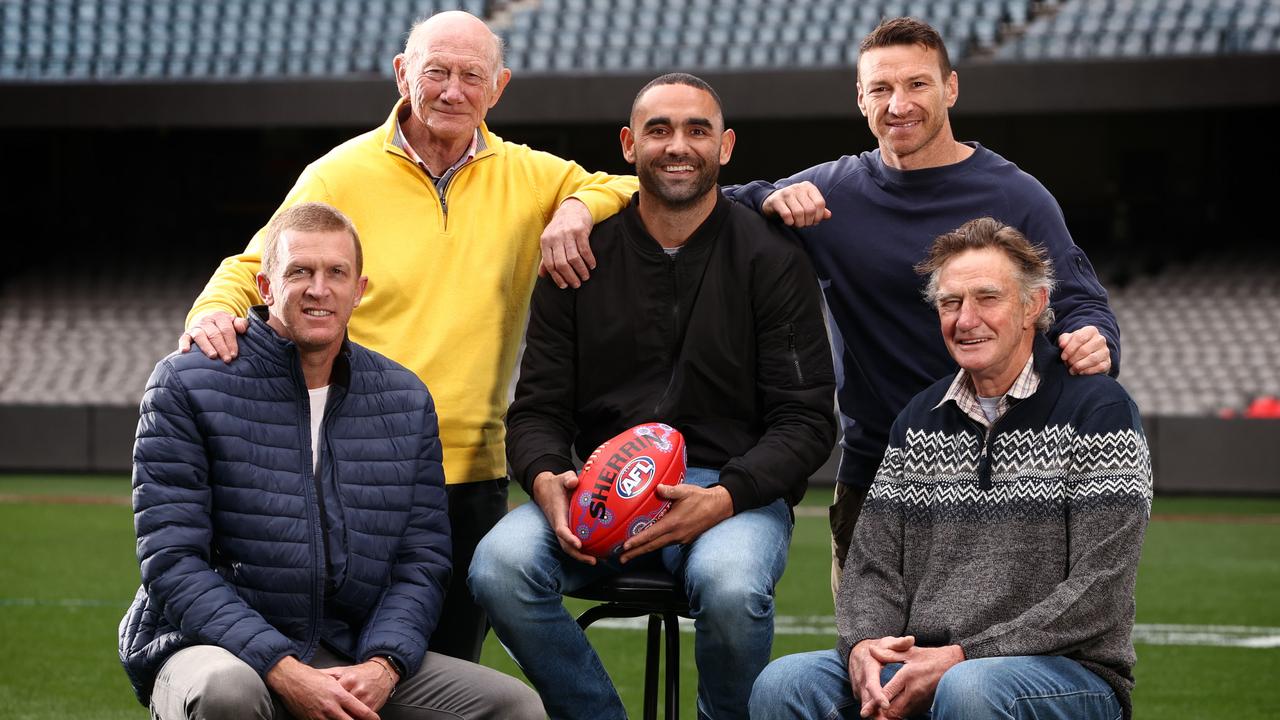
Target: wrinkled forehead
x: 459, y: 54
x: 455, y: 44
x: 976, y: 270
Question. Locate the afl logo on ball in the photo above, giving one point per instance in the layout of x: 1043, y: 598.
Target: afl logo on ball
x: 635, y: 477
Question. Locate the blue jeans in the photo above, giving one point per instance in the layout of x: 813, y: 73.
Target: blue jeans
x: 1045, y: 687
x: 520, y: 573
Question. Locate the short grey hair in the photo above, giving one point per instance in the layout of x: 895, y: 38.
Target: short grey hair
x: 1031, y: 266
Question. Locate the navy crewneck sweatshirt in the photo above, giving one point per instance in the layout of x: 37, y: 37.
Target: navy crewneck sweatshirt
x: 885, y: 336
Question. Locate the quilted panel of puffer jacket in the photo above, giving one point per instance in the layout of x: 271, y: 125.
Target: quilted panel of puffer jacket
x: 230, y: 518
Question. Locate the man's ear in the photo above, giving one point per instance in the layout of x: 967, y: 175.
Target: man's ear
x: 361, y: 285
x: 1038, y: 304
x: 398, y: 65
x: 264, y: 288
x: 628, y: 140
x: 504, y: 77
x: 727, y: 139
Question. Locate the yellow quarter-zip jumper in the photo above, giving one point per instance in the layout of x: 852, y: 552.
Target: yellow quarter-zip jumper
x: 448, y: 291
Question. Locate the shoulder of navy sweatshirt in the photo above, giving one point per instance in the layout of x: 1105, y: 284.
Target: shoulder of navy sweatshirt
x: 883, y: 222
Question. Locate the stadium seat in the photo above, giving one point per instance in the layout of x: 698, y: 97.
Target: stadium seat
x: 39, y: 37
x: 1106, y: 28
x: 1221, y: 317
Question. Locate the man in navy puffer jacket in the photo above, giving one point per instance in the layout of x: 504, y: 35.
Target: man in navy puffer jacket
x: 292, y: 525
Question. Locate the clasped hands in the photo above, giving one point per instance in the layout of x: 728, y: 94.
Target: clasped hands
x: 348, y: 692
x: 911, y: 690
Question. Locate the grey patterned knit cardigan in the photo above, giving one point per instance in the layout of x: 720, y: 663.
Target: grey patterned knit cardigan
x: 1021, y: 542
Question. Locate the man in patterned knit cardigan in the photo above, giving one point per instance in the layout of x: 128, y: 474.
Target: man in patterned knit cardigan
x: 992, y: 571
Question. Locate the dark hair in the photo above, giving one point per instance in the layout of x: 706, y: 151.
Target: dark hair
x: 907, y: 31
x: 679, y: 78
x: 307, y: 217
x: 1032, y: 268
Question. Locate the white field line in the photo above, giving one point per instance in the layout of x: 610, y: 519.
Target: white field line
x: 63, y: 602
x: 1216, y: 635
x: 1213, y: 635
x: 1143, y: 634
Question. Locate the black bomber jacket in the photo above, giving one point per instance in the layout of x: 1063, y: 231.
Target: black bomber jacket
x: 724, y: 341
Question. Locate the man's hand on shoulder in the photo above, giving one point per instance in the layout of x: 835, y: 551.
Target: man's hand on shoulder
x: 215, y: 333
x: 693, y: 511
x: 371, y: 682
x: 1085, y: 351
x: 566, y: 245
x: 799, y: 205
x: 311, y: 694
x: 551, y: 492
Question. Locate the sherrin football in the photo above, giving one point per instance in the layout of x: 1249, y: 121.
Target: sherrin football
x: 616, y: 497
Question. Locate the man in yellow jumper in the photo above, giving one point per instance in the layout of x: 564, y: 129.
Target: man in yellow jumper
x: 451, y: 216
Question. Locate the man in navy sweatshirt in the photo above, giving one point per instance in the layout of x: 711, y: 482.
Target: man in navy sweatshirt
x: 992, y: 572
x: 866, y: 220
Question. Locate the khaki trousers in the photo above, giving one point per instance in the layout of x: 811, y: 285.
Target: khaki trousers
x: 205, y: 682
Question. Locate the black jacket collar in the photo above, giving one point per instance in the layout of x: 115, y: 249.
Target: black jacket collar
x: 702, y: 238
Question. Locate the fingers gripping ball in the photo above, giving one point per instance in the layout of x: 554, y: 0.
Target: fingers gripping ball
x: 616, y: 495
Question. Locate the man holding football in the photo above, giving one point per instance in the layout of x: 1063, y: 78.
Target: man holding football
x: 701, y: 316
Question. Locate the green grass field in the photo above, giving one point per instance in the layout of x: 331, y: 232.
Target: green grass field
x: 67, y: 571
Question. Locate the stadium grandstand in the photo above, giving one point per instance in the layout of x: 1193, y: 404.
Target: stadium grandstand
x: 112, y: 40
x: 145, y: 140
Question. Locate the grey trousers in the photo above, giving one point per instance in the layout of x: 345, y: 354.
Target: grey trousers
x: 205, y: 682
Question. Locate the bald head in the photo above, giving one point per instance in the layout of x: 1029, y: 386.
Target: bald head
x: 454, y: 28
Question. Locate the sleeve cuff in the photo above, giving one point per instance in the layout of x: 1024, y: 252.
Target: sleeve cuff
x: 546, y: 463
x: 602, y: 200
x: 741, y: 491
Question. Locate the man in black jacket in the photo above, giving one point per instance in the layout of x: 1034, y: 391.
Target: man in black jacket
x: 704, y: 317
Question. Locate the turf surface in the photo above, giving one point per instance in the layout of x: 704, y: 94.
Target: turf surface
x: 67, y: 572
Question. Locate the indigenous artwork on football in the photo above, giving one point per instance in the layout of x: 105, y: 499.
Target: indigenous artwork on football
x: 616, y: 495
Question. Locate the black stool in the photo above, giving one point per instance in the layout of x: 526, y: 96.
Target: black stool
x: 660, y: 596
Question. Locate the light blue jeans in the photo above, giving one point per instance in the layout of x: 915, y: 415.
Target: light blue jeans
x: 816, y: 686
x: 519, y: 575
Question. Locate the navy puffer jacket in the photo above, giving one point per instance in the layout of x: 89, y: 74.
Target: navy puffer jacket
x: 235, y: 545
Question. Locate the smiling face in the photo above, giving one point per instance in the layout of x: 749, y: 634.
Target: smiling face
x: 905, y: 98
x: 313, y: 287
x: 677, y: 142
x: 986, y: 326
x: 451, y: 74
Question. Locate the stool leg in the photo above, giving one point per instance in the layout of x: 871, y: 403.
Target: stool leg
x: 673, y: 665
x: 651, y: 654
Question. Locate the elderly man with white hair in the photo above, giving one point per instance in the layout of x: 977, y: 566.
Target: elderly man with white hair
x: 451, y: 216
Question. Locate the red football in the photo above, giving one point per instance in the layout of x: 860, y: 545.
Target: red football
x: 615, y: 498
